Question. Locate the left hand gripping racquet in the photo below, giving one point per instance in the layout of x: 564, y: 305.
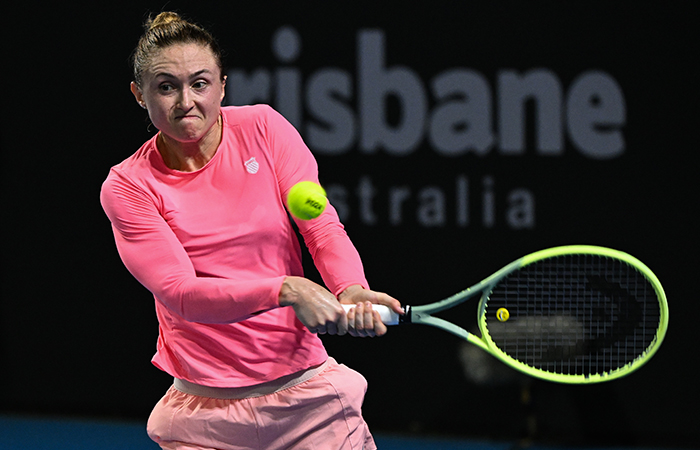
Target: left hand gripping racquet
x: 573, y: 314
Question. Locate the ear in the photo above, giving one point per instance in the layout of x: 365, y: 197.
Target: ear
x: 137, y: 94
x: 223, y: 88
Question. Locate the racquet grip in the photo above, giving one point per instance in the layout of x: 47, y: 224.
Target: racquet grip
x: 388, y: 316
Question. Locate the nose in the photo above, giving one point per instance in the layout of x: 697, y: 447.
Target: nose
x: 185, y: 102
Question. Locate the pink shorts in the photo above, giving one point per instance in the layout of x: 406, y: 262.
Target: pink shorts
x: 315, y: 409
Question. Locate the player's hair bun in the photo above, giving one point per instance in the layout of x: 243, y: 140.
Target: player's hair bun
x: 162, y: 19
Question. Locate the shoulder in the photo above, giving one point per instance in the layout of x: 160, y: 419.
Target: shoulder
x: 236, y: 113
x: 260, y: 115
x: 137, y: 166
x: 143, y: 157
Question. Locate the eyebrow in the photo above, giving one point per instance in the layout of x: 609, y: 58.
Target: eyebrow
x: 193, y: 75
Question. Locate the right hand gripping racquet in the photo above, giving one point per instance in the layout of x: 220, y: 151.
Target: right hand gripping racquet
x: 573, y: 314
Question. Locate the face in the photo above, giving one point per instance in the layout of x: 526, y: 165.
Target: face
x: 182, y: 90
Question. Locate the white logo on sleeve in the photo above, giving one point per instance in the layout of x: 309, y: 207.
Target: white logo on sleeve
x: 252, y: 165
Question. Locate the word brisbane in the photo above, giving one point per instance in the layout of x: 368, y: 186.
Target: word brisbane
x: 390, y: 108
x: 462, y: 203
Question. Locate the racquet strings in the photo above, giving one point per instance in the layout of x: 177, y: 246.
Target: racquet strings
x: 574, y: 314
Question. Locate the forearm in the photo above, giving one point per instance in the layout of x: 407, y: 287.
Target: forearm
x: 334, y: 255
x: 166, y: 271
x: 216, y: 300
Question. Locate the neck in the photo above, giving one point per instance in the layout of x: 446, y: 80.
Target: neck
x: 190, y: 156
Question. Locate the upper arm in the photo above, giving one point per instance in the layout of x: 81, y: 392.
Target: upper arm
x: 157, y: 259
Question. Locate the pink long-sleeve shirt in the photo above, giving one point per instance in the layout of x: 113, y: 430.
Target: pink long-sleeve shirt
x: 214, y: 246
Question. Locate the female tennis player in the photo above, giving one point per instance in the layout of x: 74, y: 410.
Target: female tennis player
x: 199, y: 218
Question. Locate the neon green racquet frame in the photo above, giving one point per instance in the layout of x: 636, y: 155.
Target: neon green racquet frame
x: 424, y: 314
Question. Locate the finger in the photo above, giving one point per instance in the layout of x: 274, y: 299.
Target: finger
x: 342, y: 324
x: 368, y: 320
x: 360, y: 320
x: 387, y: 300
x: 351, y: 322
x: 331, y: 328
x: 379, y: 327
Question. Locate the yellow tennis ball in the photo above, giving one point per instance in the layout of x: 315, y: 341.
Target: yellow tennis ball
x: 502, y: 314
x: 306, y: 200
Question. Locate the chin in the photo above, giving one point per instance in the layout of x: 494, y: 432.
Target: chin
x: 188, y: 135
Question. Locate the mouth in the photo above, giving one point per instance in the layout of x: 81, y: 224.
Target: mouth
x: 188, y: 121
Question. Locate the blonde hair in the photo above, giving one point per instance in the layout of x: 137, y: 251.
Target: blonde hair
x: 167, y: 29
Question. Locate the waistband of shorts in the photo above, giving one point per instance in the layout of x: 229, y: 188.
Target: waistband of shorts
x: 258, y: 390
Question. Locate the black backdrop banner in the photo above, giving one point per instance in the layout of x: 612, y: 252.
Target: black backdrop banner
x: 452, y: 137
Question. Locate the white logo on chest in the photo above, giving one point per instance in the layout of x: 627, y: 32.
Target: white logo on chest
x: 252, y: 165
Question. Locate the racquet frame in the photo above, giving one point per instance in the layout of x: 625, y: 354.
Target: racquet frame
x: 425, y: 314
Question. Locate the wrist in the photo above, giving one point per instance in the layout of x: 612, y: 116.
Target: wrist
x: 288, y: 296
x: 350, y: 290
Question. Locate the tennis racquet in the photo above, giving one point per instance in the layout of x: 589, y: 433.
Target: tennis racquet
x: 573, y: 314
